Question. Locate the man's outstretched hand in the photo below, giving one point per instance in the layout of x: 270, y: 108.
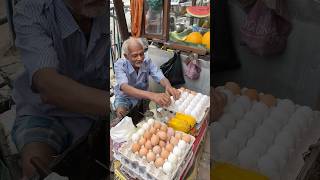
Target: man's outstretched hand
x: 162, y: 99
x: 173, y: 92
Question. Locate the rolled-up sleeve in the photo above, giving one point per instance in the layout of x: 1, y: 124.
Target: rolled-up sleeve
x: 155, y: 72
x: 120, y: 73
x: 35, y: 44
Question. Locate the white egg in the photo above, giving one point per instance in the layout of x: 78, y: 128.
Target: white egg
x: 228, y: 121
x: 280, y: 154
x: 287, y: 105
x: 246, y: 127
x: 237, y: 137
x: 307, y: 111
x: 194, y: 113
x: 269, y: 167
x: 176, y: 151
x: 253, y: 117
x: 182, y: 145
x: 265, y: 134
x: 285, y: 139
x: 281, y: 116
x: 294, y: 129
x: 245, y: 102
x: 172, y: 158
x: 230, y: 96
x: 300, y: 121
x: 248, y: 158
x: 181, y: 109
x: 260, y: 108
x: 167, y: 167
x: 146, y: 126
x: 273, y: 124
x: 177, y: 103
x: 256, y: 144
x: 227, y: 150
x: 218, y: 132
x: 237, y: 110
x: 135, y: 137
x: 140, y: 132
x: 190, y: 96
x: 150, y: 122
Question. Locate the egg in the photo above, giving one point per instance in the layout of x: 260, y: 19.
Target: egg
x: 253, y: 117
x: 169, y: 147
x: 148, y: 145
x: 151, y: 156
x: 164, y: 128
x: 182, y: 88
x: 174, y: 141
x: 182, y: 145
x: 162, y: 135
x: 237, y: 137
x: 167, y: 167
x: 178, y: 135
x: 268, y: 100
x: 248, y: 158
x: 233, y: 87
x: 257, y: 145
x: 252, y: 94
x: 170, y: 132
x: 135, y: 137
x: 156, y: 149
x: 145, y: 126
x: 227, y: 150
x: 135, y: 147
x: 260, y: 108
x: 172, y: 158
x: 265, y: 134
x: 218, y: 131
x: 162, y: 144
x: 157, y: 125
x: 176, y: 151
x: 186, y: 138
x: 280, y: 154
x: 228, y: 121
x: 154, y: 140
x: 164, y: 154
x: 140, y: 132
x: 268, y: 166
x: 142, y: 141
x: 188, y: 90
x: 143, y: 151
x: 244, y: 101
x: 152, y: 130
x: 147, y: 135
x: 150, y: 122
x: 246, y: 127
x: 159, y: 162
x: 285, y: 139
x: 237, y: 110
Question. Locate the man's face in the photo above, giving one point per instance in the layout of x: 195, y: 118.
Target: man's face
x: 88, y: 8
x: 135, y: 55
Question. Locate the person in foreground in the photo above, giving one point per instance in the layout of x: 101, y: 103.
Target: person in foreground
x: 63, y: 90
x: 132, y: 73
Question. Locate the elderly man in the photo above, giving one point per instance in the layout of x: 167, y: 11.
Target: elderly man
x: 132, y: 74
x: 63, y: 45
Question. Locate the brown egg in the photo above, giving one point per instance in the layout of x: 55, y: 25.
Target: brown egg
x: 170, y: 132
x: 252, y: 94
x: 268, y: 100
x: 182, y: 88
x: 162, y: 144
x: 156, y: 149
x: 147, y: 135
x: 143, y: 151
x: 174, y: 141
x: 178, y: 135
x: 152, y: 130
x: 188, y: 90
x: 193, y: 93
x: 159, y: 162
x: 142, y: 141
x: 148, y: 145
x: 233, y: 87
x: 169, y: 147
x: 151, y: 156
x: 164, y: 154
x: 186, y: 138
x: 164, y: 128
x: 157, y: 125
x: 162, y: 135
x: 155, y: 140
x: 135, y: 147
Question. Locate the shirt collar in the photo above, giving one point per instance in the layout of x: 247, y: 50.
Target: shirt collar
x: 131, y: 70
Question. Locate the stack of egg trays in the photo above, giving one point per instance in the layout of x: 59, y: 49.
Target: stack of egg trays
x: 139, y: 166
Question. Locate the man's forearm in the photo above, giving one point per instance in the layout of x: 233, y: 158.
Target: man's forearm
x: 137, y: 93
x: 165, y: 83
x: 70, y: 95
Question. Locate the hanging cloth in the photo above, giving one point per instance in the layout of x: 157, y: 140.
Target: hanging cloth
x: 136, y: 7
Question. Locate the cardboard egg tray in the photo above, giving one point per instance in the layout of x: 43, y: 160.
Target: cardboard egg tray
x: 173, y: 108
x: 145, y: 170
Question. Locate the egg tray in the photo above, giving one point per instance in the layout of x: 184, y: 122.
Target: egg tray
x: 199, y: 118
x: 147, y: 170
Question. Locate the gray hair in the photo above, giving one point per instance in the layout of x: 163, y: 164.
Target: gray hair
x: 126, y: 43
